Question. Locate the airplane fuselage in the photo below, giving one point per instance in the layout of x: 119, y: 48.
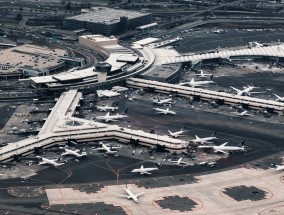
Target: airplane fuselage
x: 131, y: 195
x: 205, y: 139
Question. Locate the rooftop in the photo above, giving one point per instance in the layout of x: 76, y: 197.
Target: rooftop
x: 29, y: 56
x: 99, y: 38
x: 106, y: 15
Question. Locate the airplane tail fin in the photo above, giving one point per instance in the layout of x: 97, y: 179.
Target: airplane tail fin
x: 242, y: 143
x: 197, y: 137
x: 125, y: 112
x: 214, y: 134
x: 273, y: 165
x: 192, y: 80
x: 210, y: 78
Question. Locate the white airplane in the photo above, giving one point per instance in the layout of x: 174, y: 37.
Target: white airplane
x: 278, y: 167
x: 130, y: 195
x: 77, y: 153
x: 163, y: 101
x: 176, y: 134
x: 255, y: 44
x: 279, y: 99
x: 244, y: 113
x: 246, y: 91
x: 205, y: 139
x: 107, y: 149
x: 203, y: 75
x: 111, y: 118
x: 142, y: 170
x: 106, y: 108
x: 179, y: 161
x: 164, y: 111
x: 193, y: 83
x: 225, y: 149
x: 48, y: 161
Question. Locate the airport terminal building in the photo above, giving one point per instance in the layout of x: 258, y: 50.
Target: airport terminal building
x: 107, y: 21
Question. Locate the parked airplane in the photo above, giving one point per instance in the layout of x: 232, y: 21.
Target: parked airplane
x: 106, y: 108
x: 111, y: 118
x: 164, y: 111
x: 142, y: 170
x: 255, y: 44
x: 205, y: 139
x: 246, y: 91
x: 176, y: 134
x: 179, y: 161
x: 278, y: 167
x: 130, y: 195
x: 193, y: 83
x: 244, y: 113
x: 203, y: 75
x: 77, y: 153
x: 48, y: 161
x: 163, y: 101
x: 225, y: 149
x: 279, y: 99
x: 107, y: 149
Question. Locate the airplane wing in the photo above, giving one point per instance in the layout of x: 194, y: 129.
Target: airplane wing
x: 98, y: 148
x: 139, y: 194
x: 224, y: 144
x: 148, y: 173
x: 111, y: 152
x: 65, y: 153
x: 236, y: 89
x: 59, y: 164
x: 42, y: 162
x: 125, y: 196
x: 221, y: 151
x: 256, y: 92
x: 202, y: 142
x: 112, y: 120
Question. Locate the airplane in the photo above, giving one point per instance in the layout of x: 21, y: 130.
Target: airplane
x: 244, y: 113
x: 203, y: 75
x: 279, y: 99
x: 205, y: 139
x: 77, y: 153
x: 176, y: 134
x: 106, y: 108
x: 143, y: 170
x: 193, y: 83
x: 255, y: 44
x: 111, y: 118
x: 179, y: 161
x: 278, y: 167
x: 48, y: 161
x: 246, y: 91
x: 131, y: 195
x: 223, y: 148
x: 164, y: 111
x: 107, y: 149
x: 162, y: 102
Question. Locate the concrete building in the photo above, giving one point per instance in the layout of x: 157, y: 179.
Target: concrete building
x: 107, y: 21
x: 30, y: 60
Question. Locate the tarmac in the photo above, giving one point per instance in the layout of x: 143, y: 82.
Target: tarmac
x: 207, y: 196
